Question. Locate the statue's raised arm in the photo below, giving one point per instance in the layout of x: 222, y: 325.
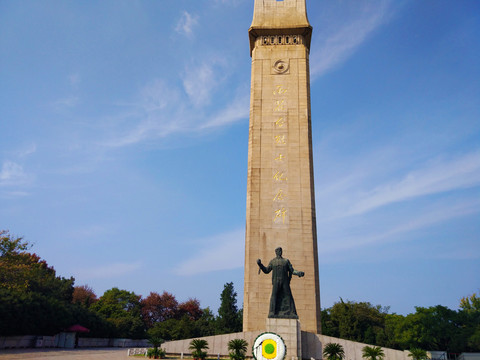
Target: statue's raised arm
x: 266, y: 270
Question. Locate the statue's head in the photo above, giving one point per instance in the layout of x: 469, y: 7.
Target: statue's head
x: 278, y: 251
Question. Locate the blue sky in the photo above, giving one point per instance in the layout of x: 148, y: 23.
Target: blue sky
x: 124, y: 135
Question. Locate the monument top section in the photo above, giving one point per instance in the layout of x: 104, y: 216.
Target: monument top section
x: 280, y: 17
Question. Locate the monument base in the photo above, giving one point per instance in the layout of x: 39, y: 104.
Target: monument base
x: 312, y: 344
x: 289, y: 330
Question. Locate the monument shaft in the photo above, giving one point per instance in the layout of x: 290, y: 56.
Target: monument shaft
x: 280, y: 189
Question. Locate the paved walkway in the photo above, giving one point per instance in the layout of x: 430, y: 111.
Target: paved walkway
x: 56, y: 354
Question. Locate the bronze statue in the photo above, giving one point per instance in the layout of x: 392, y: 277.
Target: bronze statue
x: 281, y: 301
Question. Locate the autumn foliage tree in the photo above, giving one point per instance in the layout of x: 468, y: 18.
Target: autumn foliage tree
x: 33, y: 299
x: 84, y: 295
x: 191, y: 309
x: 157, y: 308
x: 26, y: 272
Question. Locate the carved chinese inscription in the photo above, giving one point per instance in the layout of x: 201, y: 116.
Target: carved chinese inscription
x: 280, y: 164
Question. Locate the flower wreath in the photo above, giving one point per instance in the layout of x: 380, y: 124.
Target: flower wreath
x: 269, y: 346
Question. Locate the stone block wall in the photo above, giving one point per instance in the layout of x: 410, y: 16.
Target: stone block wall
x: 12, y: 342
x: 216, y: 344
x: 313, y: 344
x: 66, y: 340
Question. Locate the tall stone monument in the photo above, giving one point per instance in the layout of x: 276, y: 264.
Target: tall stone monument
x: 280, y: 193
x: 281, y: 315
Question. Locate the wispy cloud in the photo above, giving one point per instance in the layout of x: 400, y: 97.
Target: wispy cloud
x: 338, y: 41
x: 12, y: 173
x: 107, y: 271
x: 201, y: 80
x: 186, y: 24
x: 233, y: 112
x: 391, y: 194
x: 162, y: 110
x: 440, y: 176
x: 14, y: 194
x: 155, y: 114
x: 223, y: 252
x: 376, y: 235
x: 26, y: 150
x: 65, y: 103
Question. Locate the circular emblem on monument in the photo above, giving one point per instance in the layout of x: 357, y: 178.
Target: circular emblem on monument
x: 280, y: 66
x: 269, y: 346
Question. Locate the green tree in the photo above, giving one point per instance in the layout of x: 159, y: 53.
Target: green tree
x: 156, y: 340
x: 238, y: 349
x: 329, y: 327
x: 373, y: 353
x: 26, y: 272
x: 166, y: 329
x: 470, y: 303
x: 395, y: 326
x: 122, y: 309
x: 469, y: 316
x: 228, y: 320
x: 356, y: 321
x: 33, y: 299
x: 436, y: 327
x: 177, y: 329
x: 207, y: 323
x: 333, y: 351
x: 11, y: 246
x: 198, y: 345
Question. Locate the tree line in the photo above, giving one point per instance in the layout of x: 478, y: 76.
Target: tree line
x: 35, y: 301
x: 430, y: 328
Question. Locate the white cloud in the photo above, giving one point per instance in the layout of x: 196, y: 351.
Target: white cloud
x: 65, y: 103
x: 155, y: 114
x: 413, y: 196
x: 441, y: 176
x: 12, y: 174
x: 338, y: 41
x: 376, y: 235
x: 186, y: 24
x: 107, y: 271
x: 14, y: 194
x: 162, y: 110
x: 233, y: 112
x: 199, y: 82
x: 26, y: 150
x: 224, y: 252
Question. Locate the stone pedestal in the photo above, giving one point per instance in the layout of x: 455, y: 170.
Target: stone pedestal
x: 289, y: 330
